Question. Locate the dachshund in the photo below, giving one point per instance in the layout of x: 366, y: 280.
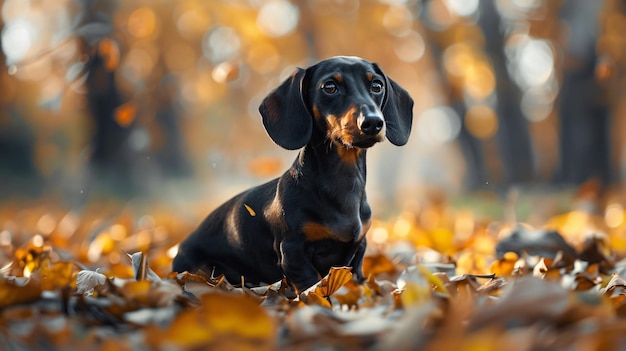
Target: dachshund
x: 315, y: 216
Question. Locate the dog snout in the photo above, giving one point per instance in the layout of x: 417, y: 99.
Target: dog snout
x: 372, y: 124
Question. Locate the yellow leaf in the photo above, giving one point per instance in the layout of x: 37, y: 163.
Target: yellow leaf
x: 250, y: 210
x: 336, y: 278
x: 312, y: 298
x: 137, y: 291
x: 57, y: 275
x: 434, y: 280
x: 505, y: 265
x: 414, y: 294
x: 222, y: 318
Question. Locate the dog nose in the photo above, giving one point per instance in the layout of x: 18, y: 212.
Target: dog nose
x: 372, y: 125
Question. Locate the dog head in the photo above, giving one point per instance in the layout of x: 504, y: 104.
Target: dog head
x: 348, y: 99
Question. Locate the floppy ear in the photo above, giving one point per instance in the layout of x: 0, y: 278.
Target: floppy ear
x: 397, y: 110
x: 285, y: 117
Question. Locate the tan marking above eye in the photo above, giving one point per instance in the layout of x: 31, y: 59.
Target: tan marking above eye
x: 369, y: 76
x: 338, y: 77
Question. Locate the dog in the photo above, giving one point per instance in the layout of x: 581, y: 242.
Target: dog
x: 315, y: 216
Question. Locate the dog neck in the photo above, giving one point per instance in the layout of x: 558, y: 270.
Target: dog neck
x: 337, y: 169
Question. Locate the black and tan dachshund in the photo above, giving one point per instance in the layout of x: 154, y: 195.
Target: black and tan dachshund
x: 316, y: 214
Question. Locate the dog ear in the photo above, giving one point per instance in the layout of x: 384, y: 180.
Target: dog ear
x: 285, y: 116
x: 397, y: 110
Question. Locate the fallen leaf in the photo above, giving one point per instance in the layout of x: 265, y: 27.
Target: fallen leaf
x: 378, y: 264
x: 87, y: 281
x: 221, y: 316
x: 16, y: 290
x: 542, y: 243
x: 56, y: 275
x: 250, y: 210
x: 336, y: 278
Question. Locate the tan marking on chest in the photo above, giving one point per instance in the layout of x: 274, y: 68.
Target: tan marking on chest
x: 348, y: 156
x: 315, y: 231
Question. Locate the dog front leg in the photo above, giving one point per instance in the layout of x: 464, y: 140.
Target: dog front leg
x: 297, y: 266
x: 357, y: 261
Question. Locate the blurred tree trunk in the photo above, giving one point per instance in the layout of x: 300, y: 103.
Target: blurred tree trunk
x: 111, y: 157
x: 584, y: 117
x: 513, y: 136
x: 171, y: 156
x: 18, y: 173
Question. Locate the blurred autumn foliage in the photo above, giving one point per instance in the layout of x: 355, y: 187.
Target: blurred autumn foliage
x: 501, y: 225
x: 126, y: 98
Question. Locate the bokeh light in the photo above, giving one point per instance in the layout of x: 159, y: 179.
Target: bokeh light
x: 614, y: 215
x: 142, y: 22
x: 481, y: 121
x: 410, y: 47
x: 17, y: 39
x: 278, y: 18
x: 537, y: 104
x: 398, y: 20
x: 463, y: 8
x: 533, y: 62
x: 438, y: 125
x: 221, y: 44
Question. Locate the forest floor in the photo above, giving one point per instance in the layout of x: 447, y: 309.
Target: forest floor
x: 467, y: 274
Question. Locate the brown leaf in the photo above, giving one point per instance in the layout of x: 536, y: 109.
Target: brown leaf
x: 220, y: 317
x: 314, y: 298
x: 528, y: 300
x: 377, y: 264
x: 18, y: 290
x: 353, y: 293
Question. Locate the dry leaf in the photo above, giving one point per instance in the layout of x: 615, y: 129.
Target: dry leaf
x: 56, y: 275
x: 87, y: 281
x: 221, y: 316
x: 15, y: 290
x: 336, y: 278
x: 378, y: 264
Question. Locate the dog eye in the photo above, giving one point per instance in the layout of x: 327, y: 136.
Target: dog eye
x: 329, y: 87
x: 377, y: 86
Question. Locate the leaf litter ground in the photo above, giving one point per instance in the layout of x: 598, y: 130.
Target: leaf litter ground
x: 439, y: 278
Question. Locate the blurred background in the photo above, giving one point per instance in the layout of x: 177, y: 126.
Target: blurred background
x: 158, y: 99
